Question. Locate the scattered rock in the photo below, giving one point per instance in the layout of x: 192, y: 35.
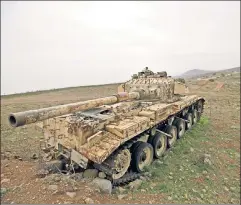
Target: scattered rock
x: 121, y: 190
x: 207, y: 161
x: 42, y: 173
x: 34, y: 156
x: 147, y: 174
x: 171, y: 173
x: 5, y: 181
x: 135, y: 184
x: 90, y: 173
x: 169, y: 198
x: 3, y: 191
x: 158, y: 162
x: 121, y: 196
x: 191, y: 149
x: 235, y: 127
x: 104, y: 185
x: 143, y: 190
x: 170, y: 177
x: 207, y: 155
x: 89, y: 201
x: 52, y: 187
x: 194, y: 190
x: 71, y: 194
x: 226, y: 188
x: 205, y: 172
x: 204, y: 190
x: 77, y: 176
x: 102, y: 175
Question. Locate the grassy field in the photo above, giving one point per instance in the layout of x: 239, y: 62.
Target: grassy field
x: 181, y: 176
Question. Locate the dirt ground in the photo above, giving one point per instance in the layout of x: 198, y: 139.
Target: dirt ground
x: 221, y: 140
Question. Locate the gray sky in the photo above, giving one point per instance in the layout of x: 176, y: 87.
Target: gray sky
x: 59, y: 44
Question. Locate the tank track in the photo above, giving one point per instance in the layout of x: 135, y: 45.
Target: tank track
x: 130, y: 175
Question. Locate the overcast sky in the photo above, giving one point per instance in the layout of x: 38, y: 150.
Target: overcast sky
x: 59, y: 44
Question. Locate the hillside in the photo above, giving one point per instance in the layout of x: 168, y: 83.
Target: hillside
x: 195, y: 73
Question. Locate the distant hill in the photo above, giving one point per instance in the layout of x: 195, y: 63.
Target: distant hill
x: 196, y: 73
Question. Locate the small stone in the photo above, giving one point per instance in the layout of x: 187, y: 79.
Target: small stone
x: 90, y: 173
x: 135, y: 184
x: 121, y: 196
x: 192, y: 171
x: 205, y: 172
x: 121, y: 190
x: 53, y: 187
x: 171, y: 173
x: 170, y: 177
x: 3, y: 191
x: 207, y: 161
x: 5, y: 181
x: 158, y: 162
x: 235, y: 127
x: 89, y: 201
x: 204, y: 190
x: 34, y: 156
x: 226, y: 188
x: 57, y: 178
x: 102, y: 175
x: 150, y: 202
x: 191, y: 149
x: 42, y: 173
x: 104, y: 185
x: 71, y: 194
x: 195, y: 191
x: 2, y: 175
x: 232, y: 188
x: 207, y: 155
x: 143, y: 190
x: 169, y: 198
x: 77, y: 176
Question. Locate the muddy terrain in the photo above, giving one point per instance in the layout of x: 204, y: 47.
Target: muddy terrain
x: 203, y: 167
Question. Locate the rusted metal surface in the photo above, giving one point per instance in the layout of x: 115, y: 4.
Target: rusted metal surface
x: 94, y: 129
x: 32, y: 116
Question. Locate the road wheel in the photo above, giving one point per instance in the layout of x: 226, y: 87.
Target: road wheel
x: 199, y: 109
x: 171, y: 130
x: 194, y: 116
x: 189, y: 117
x: 159, y: 143
x: 180, y: 125
x: 122, y: 162
x: 142, y: 157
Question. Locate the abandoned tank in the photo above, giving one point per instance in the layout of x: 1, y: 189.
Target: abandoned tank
x: 119, y: 135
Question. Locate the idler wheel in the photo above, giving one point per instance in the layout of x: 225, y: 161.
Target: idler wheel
x: 189, y: 117
x: 171, y: 130
x: 142, y: 157
x: 180, y: 125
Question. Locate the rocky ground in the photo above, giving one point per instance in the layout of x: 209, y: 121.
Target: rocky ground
x: 203, y: 167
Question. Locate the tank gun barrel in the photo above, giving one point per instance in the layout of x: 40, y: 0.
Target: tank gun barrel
x: 32, y: 116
